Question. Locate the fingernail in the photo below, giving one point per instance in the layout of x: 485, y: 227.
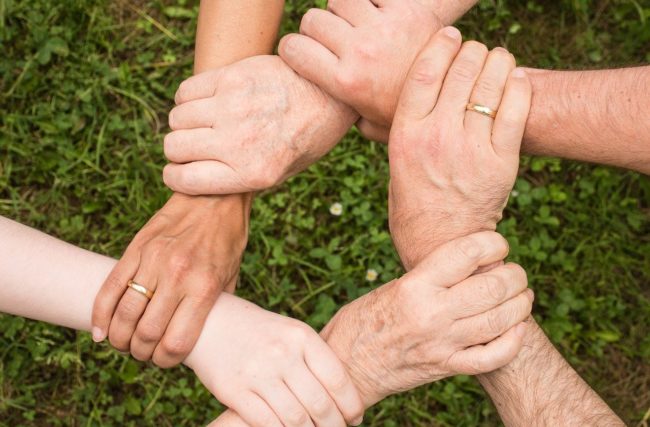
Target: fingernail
x: 98, y: 334
x: 452, y: 32
x: 519, y: 73
x: 357, y: 422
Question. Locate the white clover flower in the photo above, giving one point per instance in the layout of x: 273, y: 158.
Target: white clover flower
x: 371, y: 275
x: 336, y: 209
x: 514, y: 193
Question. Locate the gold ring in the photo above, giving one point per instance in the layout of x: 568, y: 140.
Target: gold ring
x: 140, y: 289
x: 482, y: 109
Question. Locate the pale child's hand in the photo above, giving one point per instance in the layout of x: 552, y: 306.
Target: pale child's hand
x: 272, y: 370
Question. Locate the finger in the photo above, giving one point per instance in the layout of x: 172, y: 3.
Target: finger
x: 481, y: 359
x: 511, y: 118
x: 485, y: 327
x: 480, y: 293
x: 311, y: 60
x: 327, y: 29
x: 255, y: 411
x: 330, y: 372
x: 193, y: 114
x: 488, y: 92
x: 204, y: 177
x: 285, y: 405
x: 456, y: 260
x: 461, y: 79
x: 183, y: 330
x: 153, y: 323
x: 424, y: 81
x: 131, y: 307
x: 189, y: 145
x: 314, y: 398
x: 199, y: 86
x: 111, y: 292
x: 354, y: 11
x: 229, y: 418
x: 373, y: 131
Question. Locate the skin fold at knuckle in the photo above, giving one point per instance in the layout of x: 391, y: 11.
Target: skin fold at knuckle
x: 495, y: 286
x: 173, y: 348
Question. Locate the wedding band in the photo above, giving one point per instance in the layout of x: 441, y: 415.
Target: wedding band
x: 482, y: 109
x: 140, y: 289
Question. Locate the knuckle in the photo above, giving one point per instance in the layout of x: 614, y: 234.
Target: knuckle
x: 176, y: 346
x: 180, y: 95
x: 266, y: 419
x: 118, y: 344
x: 179, y: 263
x: 321, y: 405
x: 297, y: 417
x: 367, y: 52
x: 115, y: 284
x: 464, y: 70
x: 338, y: 382
x: 149, y: 332
x: 301, y: 332
x: 334, y: 5
x: 279, y: 350
x: 495, y: 287
x: 347, y: 80
x: 265, y: 179
x: 476, y: 365
x: 469, y: 248
x: 306, y: 24
x: 497, y: 321
x: 518, y: 275
x: 424, y: 72
x: 488, y: 86
x: 128, y: 310
x: 207, y: 289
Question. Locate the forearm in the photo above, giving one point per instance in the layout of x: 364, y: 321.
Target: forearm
x: 592, y: 116
x: 229, y: 31
x: 46, y: 279
x: 539, y: 388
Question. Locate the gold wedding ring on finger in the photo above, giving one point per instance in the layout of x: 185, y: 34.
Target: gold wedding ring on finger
x: 482, y: 109
x: 140, y: 289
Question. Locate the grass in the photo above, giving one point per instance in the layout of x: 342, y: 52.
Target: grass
x: 84, y: 91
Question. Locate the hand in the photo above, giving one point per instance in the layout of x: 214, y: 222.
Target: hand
x: 249, y: 126
x: 360, y: 53
x: 436, y: 321
x: 452, y: 170
x: 187, y: 254
x: 272, y: 370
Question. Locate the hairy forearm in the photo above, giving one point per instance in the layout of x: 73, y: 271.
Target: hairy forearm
x: 229, y: 31
x: 539, y: 388
x: 592, y: 116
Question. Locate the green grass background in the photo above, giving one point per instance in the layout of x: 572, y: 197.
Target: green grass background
x: 85, y: 87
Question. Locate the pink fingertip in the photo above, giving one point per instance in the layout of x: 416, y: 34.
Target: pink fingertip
x: 98, y: 334
x: 452, y: 32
